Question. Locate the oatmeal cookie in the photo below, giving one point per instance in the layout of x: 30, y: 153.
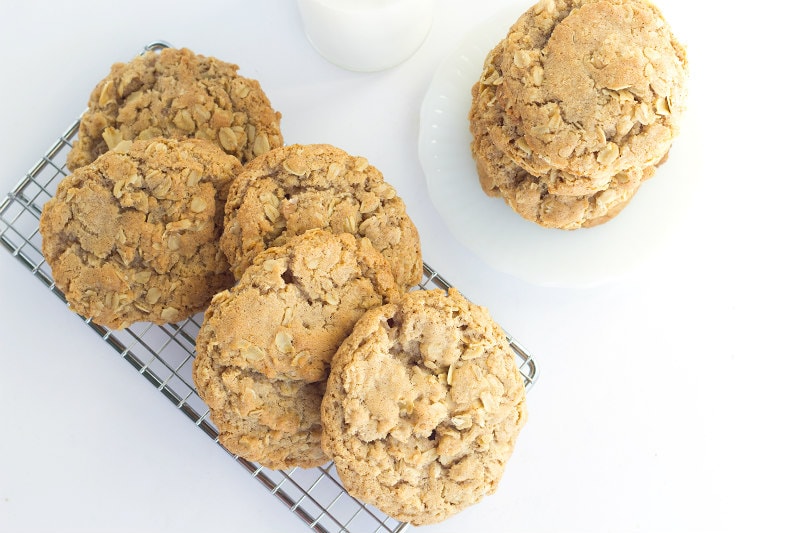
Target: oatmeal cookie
x: 487, y: 118
x: 530, y: 198
x: 176, y: 93
x: 297, y: 302
x: 264, y: 348
x: 423, y: 406
x: 598, y: 86
x: 134, y: 236
x: 299, y: 187
x: 275, y: 423
x: 551, y: 199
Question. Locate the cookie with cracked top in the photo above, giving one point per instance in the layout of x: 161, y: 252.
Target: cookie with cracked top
x: 488, y: 120
x: 530, y: 198
x: 597, y: 86
x: 134, y: 236
x: 551, y: 198
x: 176, y: 93
x: 264, y: 348
x: 299, y: 187
x: 423, y: 406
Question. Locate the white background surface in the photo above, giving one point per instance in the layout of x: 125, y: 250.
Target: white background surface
x: 668, y: 400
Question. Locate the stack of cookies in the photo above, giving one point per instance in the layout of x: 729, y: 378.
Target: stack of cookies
x: 576, y: 107
x: 183, y: 198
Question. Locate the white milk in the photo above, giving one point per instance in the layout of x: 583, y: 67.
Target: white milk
x: 366, y: 35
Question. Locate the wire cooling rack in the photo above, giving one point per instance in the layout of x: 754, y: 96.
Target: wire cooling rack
x: 163, y: 355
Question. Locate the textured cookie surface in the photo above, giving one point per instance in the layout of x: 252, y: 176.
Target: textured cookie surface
x: 176, y: 93
x: 530, y: 198
x: 272, y: 422
x: 599, y: 86
x: 134, y: 236
x: 423, y: 406
x: 265, y: 345
x: 552, y: 199
x: 490, y: 123
x: 538, y: 192
x: 299, y: 187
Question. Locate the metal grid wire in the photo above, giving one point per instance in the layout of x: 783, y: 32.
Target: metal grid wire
x: 164, y: 355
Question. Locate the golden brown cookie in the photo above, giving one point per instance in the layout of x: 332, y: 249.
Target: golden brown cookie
x: 598, y: 86
x: 176, y: 93
x: 423, y: 406
x: 272, y: 422
x: 134, y: 236
x: 299, y: 187
x: 264, y: 348
x: 487, y: 117
x: 529, y: 197
x: 550, y: 197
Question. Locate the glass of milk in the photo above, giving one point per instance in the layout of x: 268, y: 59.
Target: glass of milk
x: 366, y: 35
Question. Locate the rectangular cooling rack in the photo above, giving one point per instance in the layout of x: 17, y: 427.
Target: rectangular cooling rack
x: 163, y: 355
